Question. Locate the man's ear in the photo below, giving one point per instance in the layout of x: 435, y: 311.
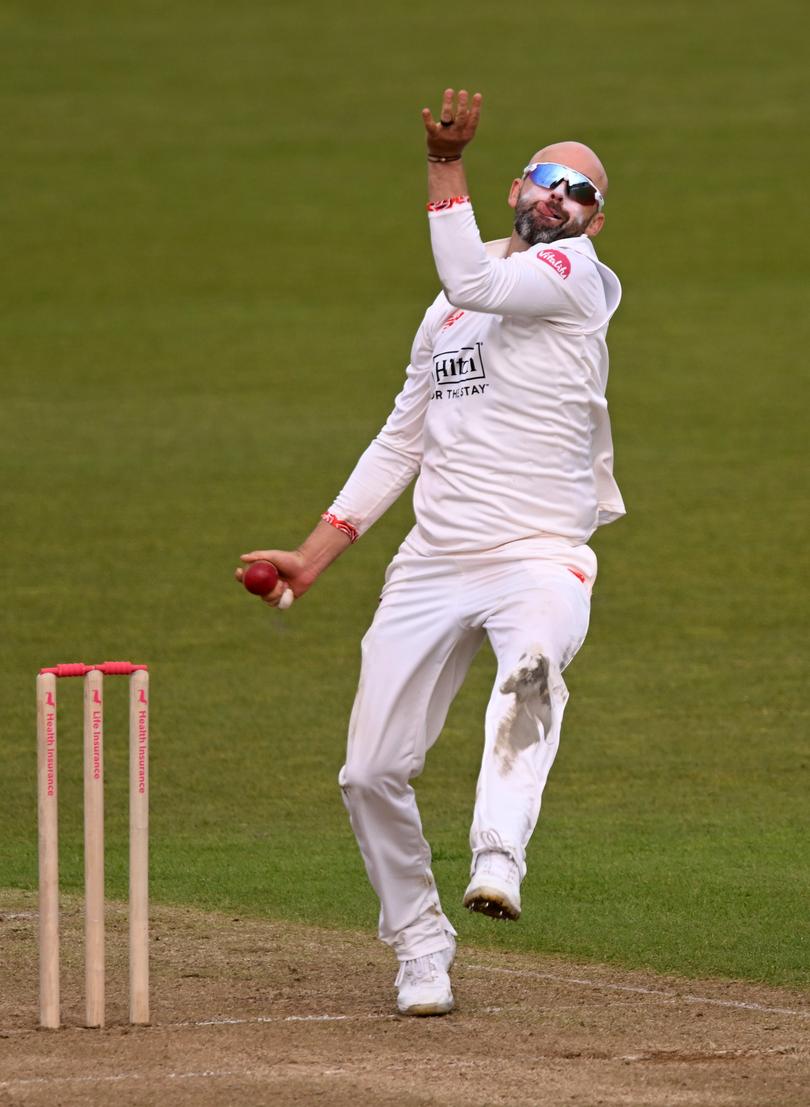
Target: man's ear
x: 514, y: 192
x: 595, y: 225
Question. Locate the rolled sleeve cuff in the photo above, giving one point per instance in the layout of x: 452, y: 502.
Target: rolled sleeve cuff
x: 441, y: 207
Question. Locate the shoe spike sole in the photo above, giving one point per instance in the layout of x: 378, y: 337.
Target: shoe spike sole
x: 494, y: 908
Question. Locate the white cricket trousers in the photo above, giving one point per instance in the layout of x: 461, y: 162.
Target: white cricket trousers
x: 433, y: 615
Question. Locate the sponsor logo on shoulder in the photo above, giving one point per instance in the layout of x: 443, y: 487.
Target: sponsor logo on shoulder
x: 557, y: 260
x: 452, y: 318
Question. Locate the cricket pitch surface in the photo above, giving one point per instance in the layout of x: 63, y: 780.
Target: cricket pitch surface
x: 247, y: 1011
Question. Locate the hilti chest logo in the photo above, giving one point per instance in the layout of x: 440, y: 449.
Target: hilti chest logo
x: 558, y: 262
x: 459, y: 366
x: 459, y: 373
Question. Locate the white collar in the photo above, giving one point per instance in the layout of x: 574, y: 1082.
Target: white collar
x: 582, y: 244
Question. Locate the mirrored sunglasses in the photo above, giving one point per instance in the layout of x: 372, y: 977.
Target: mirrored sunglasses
x: 548, y: 174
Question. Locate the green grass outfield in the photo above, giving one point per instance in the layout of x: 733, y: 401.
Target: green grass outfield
x: 215, y: 256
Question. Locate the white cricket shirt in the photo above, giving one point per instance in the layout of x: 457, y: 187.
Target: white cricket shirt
x: 503, y: 413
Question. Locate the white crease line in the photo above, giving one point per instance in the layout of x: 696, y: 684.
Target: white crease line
x: 258, y: 1019
x: 710, y: 1055
x: 526, y: 973
x: 685, y: 998
x: 276, y: 1018
x: 205, y: 1074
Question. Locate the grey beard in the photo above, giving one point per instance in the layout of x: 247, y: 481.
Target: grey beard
x: 533, y: 234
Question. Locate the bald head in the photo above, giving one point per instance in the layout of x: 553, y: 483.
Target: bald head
x: 576, y: 155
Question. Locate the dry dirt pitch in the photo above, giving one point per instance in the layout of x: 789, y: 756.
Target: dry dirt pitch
x: 252, y: 1012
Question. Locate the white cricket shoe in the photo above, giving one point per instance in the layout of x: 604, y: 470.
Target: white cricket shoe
x: 424, y: 983
x: 495, y: 886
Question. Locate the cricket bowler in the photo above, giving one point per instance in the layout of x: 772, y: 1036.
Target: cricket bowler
x: 503, y: 421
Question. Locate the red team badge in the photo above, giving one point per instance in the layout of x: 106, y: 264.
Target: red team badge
x: 452, y: 318
x: 557, y: 260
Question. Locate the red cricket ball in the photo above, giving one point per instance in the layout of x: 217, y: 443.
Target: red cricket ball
x: 260, y: 578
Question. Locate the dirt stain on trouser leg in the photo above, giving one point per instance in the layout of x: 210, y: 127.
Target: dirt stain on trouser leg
x: 528, y: 718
